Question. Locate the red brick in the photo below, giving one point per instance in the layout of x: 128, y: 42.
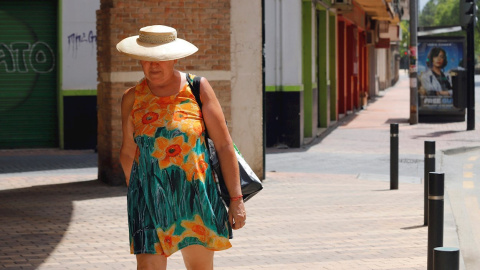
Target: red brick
x: 204, y: 23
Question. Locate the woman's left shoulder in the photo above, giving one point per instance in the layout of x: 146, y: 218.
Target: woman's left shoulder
x: 204, y: 82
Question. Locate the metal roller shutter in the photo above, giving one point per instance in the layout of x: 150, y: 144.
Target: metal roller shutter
x: 28, y: 74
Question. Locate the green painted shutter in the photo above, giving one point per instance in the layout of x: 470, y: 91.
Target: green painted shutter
x: 28, y: 74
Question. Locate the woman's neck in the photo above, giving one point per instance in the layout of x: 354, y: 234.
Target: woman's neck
x: 437, y: 70
x: 169, y: 86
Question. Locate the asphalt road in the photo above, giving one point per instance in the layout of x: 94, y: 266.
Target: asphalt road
x: 463, y: 188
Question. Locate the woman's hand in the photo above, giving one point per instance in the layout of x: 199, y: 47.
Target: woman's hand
x: 237, y: 216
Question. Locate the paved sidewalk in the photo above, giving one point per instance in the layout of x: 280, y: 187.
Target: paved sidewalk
x: 300, y: 221
x: 325, y: 206
x: 27, y: 160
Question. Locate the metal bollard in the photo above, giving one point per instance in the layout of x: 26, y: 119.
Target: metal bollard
x: 446, y: 258
x: 428, y: 167
x: 394, y: 156
x: 436, y: 182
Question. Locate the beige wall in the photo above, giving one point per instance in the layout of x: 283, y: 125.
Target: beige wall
x: 246, y: 78
x: 382, y: 68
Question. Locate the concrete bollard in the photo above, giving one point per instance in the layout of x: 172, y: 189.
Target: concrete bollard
x: 428, y: 167
x: 446, y: 258
x: 394, y: 156
x: 436, y: 183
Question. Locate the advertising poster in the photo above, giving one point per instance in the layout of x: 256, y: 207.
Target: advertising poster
x: 438, y: 59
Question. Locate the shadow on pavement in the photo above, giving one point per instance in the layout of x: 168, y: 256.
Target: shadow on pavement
x: 413, y: 227
x: 35, y: 219
x: 396, y: 120
x: 437, y: 134
x: 12, y: 162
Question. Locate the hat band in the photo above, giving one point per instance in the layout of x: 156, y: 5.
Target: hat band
x: 157, y: 39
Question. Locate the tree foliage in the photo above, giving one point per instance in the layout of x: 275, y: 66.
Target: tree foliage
x: 405, y: 26
x: 440, y: 13
x: 427, y: 15
x: 446, y: 13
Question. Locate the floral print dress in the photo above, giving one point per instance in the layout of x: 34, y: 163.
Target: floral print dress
x: 172, y: 196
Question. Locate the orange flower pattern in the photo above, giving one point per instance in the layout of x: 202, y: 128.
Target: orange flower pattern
x: 172, y: 198
x: 197, y: 229
x: 171, y: 151
x: 197, y: 167
x: 168, y: 240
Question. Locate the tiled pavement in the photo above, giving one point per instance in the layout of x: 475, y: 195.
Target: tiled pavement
x: 65, y: 219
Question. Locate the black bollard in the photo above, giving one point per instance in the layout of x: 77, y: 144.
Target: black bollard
x: 428, y: 167
x: 394, y: 156
x: 446, y: 258
x: 436, y: 182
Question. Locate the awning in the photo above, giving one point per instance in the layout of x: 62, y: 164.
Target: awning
x: 380, y: 10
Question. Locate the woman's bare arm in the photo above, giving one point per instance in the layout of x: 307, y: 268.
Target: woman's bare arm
x: 127, y: 151
x: 218, y: 132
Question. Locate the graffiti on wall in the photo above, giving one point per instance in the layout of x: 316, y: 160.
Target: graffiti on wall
x: 23, y: 57
x: 79, y: 60
x: 75, y: 40
x: 79, y: 44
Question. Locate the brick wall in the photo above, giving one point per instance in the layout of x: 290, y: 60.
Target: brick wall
x: 204, y: 23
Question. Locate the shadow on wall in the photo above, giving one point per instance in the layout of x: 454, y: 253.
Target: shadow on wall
x: 34, y: 220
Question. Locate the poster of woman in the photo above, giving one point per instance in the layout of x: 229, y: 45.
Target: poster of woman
x: 439, y: 58
x: 433, y: 81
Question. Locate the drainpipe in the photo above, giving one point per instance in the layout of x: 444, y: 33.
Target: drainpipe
x: 278, y: 42
x: 413, y: 63
x: 264, y: 98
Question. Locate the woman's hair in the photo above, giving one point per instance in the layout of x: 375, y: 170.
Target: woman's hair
x: 434, y: 52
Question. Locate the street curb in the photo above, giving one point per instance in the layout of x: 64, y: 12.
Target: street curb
x: 451, y: 237
x: 460, y: 150
x: 450, y: 229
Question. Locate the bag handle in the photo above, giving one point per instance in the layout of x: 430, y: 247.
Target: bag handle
x: 195, y: 87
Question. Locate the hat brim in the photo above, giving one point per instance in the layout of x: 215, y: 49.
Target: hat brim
x: 152, y: 52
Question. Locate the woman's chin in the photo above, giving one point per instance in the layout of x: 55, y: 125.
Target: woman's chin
x: 156, y: 77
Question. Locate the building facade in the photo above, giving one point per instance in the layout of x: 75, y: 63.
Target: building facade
x: 324, y: 60
x: 62, y: 80
x: 48, y: 74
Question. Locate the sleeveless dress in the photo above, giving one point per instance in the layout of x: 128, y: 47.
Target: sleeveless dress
x: 172, y: 198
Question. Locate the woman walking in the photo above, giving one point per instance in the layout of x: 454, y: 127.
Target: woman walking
x: 173, y: 202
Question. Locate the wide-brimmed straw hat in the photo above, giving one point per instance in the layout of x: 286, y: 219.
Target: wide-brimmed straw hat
x: 156, y: 43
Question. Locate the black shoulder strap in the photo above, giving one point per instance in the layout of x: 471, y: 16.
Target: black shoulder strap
x: 195, y: 86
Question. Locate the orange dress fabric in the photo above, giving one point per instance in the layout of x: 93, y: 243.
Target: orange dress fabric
x: 172, y: 198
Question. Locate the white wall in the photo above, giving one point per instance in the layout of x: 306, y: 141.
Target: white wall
x: 272, y: 45
x: 283, y: 42
x: 382, y: 67
x: 246, y: 81
x: 313, y: 44
x: 79, y: 44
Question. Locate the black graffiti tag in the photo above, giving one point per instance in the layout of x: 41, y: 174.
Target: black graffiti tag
x: 75, y: 40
